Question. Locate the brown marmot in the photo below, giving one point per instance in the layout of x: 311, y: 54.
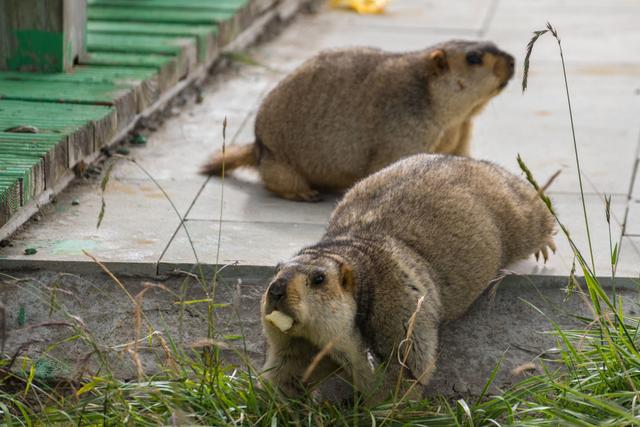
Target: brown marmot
x: 429, y: 226
x: 345, y: 114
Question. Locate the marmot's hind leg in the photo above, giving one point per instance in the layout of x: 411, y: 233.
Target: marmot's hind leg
x: 286, y: 182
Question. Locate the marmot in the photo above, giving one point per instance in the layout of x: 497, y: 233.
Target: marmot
x: 347, y: 113
x: 435, y: 227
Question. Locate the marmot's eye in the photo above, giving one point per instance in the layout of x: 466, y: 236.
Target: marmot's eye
x: 474, y: 58
x: 317, y: 278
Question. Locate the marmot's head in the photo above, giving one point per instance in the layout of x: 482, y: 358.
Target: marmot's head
x: 316, y: 290
x: 464, y: 74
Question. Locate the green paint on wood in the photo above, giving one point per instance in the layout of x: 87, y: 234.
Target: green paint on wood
x: 205, y: 35
x: 127, y: 59
x: 49, y: 118
x: 95, y: 93
x: 87, y: 74
x: 224, y: 5
x: 163, y: 45
x: 39, y: 51
x: 151, y: 14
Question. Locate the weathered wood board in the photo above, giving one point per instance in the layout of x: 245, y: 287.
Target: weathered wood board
x: 41, y: 35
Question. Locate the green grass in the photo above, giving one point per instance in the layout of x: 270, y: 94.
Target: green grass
x: 595, y: 381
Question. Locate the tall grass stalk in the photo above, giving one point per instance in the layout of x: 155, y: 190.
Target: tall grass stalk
x: 534, y: 39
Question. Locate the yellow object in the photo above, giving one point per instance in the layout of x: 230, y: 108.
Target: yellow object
x: 362, y: 6
x: 280, y: 320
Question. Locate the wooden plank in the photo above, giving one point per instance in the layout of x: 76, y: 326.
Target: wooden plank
x: 52, y: 148
x: 27, y: 170
x: 167, y: 67
x: 41, y: 35
x: 205, y: 35
x: 231, y: 17
x: 105, y: 94
x: 224, y: 5
x: 162, y: 45
x: 183, y: 49
x: 143, y: 81
x: 81, y: 129
x: 149, y: 13
x: 10, y: 199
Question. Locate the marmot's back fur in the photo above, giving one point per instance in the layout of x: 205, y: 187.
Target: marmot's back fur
x: 347, y: 113
x: 431, y: 226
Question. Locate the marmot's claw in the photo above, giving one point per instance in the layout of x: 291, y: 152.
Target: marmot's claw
x: 544, y: 250
x: 310, y: 196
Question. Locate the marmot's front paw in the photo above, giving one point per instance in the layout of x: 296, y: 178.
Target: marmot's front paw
x: 306, y: 196
x: 544, y: 250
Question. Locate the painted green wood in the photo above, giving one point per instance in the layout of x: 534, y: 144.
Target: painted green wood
x: 10, y: 200
x: 26, y: 172
x: 225, y: 5
x: 48, y: 117
x: 205, y: 35
x: 163, y: 45
x: 169, y: 71
x: 149, y: 13
x: 83, y: 127
x: 41, y: 35
x: 127, y: 59
x: 66, y: 92
x: 87, y: 74
x: 142, y: 81
x: 52, y: 149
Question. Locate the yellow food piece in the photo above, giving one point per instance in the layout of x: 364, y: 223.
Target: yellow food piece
x: 362, y: 6
x: 280, y: 320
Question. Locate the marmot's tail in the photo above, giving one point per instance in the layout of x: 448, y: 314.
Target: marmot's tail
x: 234, y: 157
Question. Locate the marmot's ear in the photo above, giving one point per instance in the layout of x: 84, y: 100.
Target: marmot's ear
x: 439, y: 59
x: 346, y: 276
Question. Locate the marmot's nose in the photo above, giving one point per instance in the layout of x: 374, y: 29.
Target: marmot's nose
x: 277, y: 289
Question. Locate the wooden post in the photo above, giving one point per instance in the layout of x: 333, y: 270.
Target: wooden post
x: 42, y: 35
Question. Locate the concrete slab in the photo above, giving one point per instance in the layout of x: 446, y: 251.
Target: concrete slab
x: 328, y: 32
x: 629, y: 264
x: 64, y: 229
x: 536, y: 125
x: 633, y: 219
x: 405, y: 15
x: 244, y: 243
x: 592, y: 31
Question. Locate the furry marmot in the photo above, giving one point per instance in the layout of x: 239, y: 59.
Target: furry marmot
x: 430, y: 228
x: 345, y: 114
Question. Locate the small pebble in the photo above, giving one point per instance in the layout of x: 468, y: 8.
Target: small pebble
x: 75, y: 202
x: 139, y: 139
x: 30, y: 251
